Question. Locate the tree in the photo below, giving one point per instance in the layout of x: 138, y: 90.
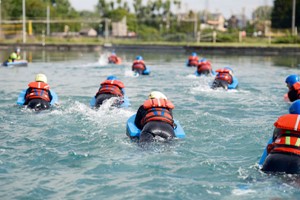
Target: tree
x: 262, y: 13
x: 282, y: 14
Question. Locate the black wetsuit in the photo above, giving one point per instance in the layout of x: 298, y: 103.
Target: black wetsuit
x: 220, y: 83
x: 100, y: 98
x: 293, y: 95
x: 153, y: 128
x: 281, y: 161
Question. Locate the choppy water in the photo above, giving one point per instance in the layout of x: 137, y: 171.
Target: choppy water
x: 74, y: 152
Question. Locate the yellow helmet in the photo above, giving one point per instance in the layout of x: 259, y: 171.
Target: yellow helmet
x: 41, y: 78
x: 157, y: 95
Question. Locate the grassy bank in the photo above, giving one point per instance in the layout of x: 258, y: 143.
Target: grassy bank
x: 249, y: 42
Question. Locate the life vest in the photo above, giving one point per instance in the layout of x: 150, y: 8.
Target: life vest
x: 113, y: 58
x: 289, y: 135
x: 296, y: 86
x: 204, y: 66
x: 138, y: 64
x: 158, y: 110
x: 14, y: 56
x: 111, y: 87
x: 39, y: 90
x: 193, y: 60
x: 223, y: 74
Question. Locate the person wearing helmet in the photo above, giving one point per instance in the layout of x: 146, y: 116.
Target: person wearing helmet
x: 109, y: 88
x: 293, y: 84
x: 155, y: 118
x: 138, y: 65
x: 223, y: 78
x: 38, y: 95
x: 193, y: 60
x: 15, y: 55
x: 283, y: 154
x: 204, y: 67
x: 114, y: 59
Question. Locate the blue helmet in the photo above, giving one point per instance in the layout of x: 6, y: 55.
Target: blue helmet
x: 139, y: 58
x: 194, y: 54
x: 292, y: 79
x: 295, y: 107
x: 113, y: 53
x: 203, y: 60
x: 111, y: 77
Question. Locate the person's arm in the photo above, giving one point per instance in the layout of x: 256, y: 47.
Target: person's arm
x: 27, y: 92
x: 293, y: 95
x: 139, y: 116
x: 123, y: 91
x: 50, y: 95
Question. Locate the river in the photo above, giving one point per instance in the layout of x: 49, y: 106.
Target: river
x: 75, y: 152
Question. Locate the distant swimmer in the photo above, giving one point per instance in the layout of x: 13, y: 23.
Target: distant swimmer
x: 204, y: 67
x: 193, y: 60
x: 293, y: 84
x: 111, y: 87
x: 139, y: 66
x: 114, y: 59
x: 225, y: 79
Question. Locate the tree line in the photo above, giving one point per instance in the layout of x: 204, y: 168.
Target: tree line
x: 155, y: 18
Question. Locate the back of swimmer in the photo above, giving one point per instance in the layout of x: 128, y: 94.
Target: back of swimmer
x: 113, y: 58
x: 111, y: 87
x: 223, y: 78
x: 284, y: 151
x: 155, y: 119
x: 193, y: 60
x: 138, y: 65
x: 38, y: 95
x: 204, y: 67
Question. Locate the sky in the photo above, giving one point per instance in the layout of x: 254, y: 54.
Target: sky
x: 226, y: 7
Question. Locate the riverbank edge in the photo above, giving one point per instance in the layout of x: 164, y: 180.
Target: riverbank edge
x: 214, y: 49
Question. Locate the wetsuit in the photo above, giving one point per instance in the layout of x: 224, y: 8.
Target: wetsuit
x: 155, y: 120
x: 38, y: 96
x: 109, y: 89
x: 284, y: 152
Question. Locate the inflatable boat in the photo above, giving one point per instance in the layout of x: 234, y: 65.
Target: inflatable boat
x: 17, y: 63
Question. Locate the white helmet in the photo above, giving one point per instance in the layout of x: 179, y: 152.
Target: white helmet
x: 157, y: 95
x: 41, y: 78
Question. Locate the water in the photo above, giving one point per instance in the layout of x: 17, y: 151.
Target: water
x: 75, y: 152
